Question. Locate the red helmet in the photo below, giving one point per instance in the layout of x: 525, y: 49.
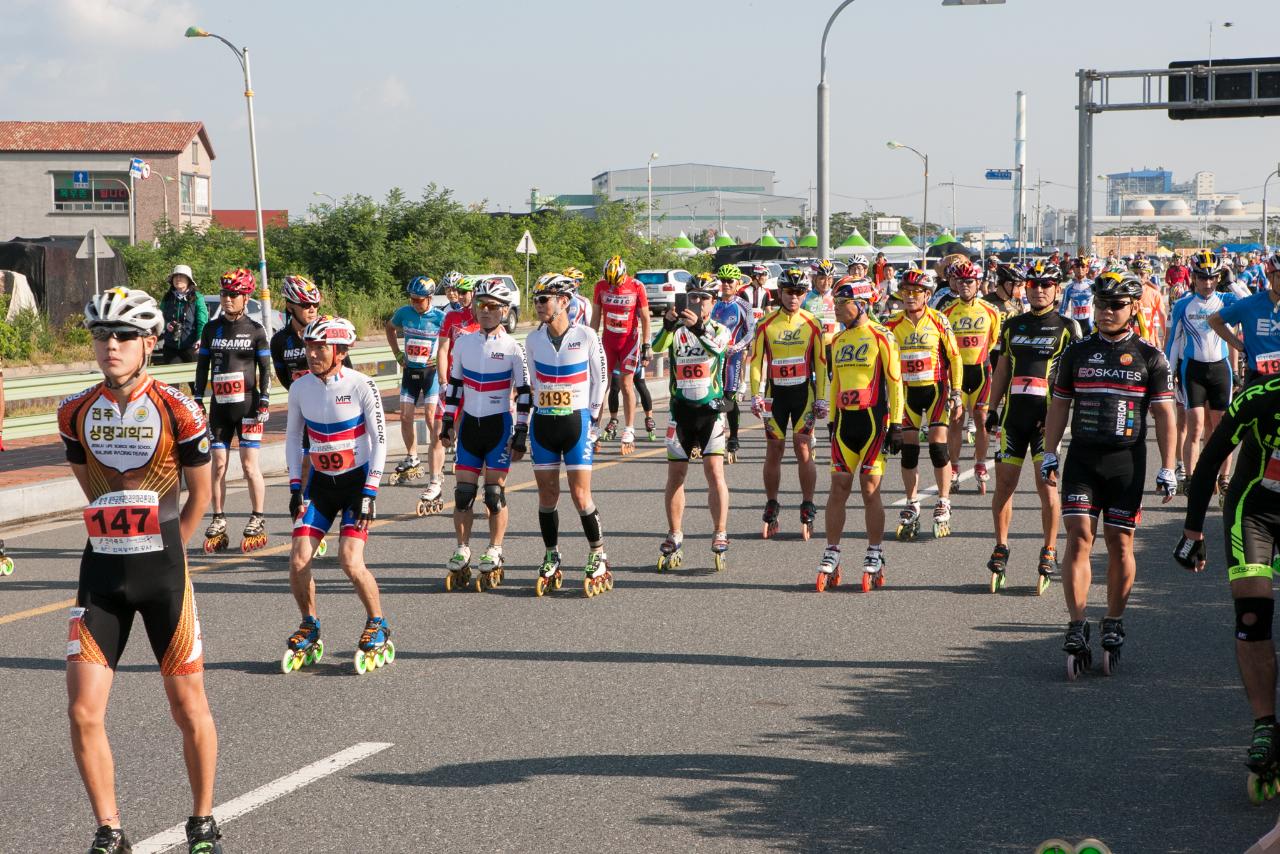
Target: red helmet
x: 964, y: 270
x: 238, y: 281
x: 915, y: 279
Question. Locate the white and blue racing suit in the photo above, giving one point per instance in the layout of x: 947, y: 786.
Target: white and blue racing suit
x: 1077, y: 304
x: 1199, y: 358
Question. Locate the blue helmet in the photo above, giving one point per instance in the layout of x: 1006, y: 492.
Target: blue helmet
x: 421, y: 286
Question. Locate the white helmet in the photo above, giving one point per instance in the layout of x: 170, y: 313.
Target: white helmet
x: 496, y: 289
x: 125, y: 308
x: 328, y: 329
x: 859, y: 259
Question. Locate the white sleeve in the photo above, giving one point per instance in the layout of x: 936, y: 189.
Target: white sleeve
x: 293, y: 434
x: 375, y: 425
x: 599, y: 370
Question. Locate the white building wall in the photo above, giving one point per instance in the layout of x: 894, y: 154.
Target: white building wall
x: 26, y: 195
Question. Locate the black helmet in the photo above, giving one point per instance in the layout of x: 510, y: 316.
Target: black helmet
x: 1042, y: 270
x: 1117, y: 285
x: 1007, y: 274
x: 793, y: 278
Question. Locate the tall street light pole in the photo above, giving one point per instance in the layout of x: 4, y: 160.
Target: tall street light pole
x: 242, y: 55
x: 824, y: 138
x: 652, y: 157
x: 924, y: 217
x: 1266, y: 245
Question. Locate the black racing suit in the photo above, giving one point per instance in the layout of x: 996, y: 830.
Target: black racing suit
x: 1033, y: 343
x: 236, y: 358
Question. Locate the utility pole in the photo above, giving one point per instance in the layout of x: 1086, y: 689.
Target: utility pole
x: 1039, y: 221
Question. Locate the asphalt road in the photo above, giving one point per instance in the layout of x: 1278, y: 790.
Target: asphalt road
x: 693, y: 711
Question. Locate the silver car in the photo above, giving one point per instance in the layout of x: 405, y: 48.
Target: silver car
x: 661, y: 287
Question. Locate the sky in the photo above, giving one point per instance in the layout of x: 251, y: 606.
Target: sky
x: 492, y: 98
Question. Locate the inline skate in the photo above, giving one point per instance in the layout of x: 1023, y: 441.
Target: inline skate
x: 215, y: 536
x: 203, y: 835
x: 407, y: 470
x: 432, y: 498
x: 6, y: 562
x: 627, y: 444
x: 651, y: 428
x: 550, y: 576
x: 997, y: 563
x: 1263, y: 763
x: 808, y: 512
x: 770, y: 518
x: 490, y: 569
x: 254, y: 536
x: 873, y: 569
x: 829, y: 569
x: 1076, y: 646
x: 909, y: 521
x: 110, y: 840
x: 671, y: 552
x: 981, y: 476
x: 610, y: 431
x: 1047, y: 567
x: 596, y: 577
x: 459, y: 569
x: 376, y: 648
x: 719, y: 548
x: 304, y: 646
x: 1112, y: 631
x: 942, y: 518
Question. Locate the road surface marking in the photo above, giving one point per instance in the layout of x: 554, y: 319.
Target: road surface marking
x: 233, y: 809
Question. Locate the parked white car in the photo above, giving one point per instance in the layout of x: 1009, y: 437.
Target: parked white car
x: 661, y: 287
x: 513, y: 316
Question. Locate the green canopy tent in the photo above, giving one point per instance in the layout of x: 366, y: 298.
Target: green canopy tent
x: 855, y: 244
x: 767, y: 239
x: 900, y: 248
x: 809, y: 241
x: 942, y: 239
x: 724, y: 240
x: 683, y: 246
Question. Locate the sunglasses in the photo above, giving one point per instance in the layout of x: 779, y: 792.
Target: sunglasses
x: 543, y: 299
x: 845, y: 300
x: 1112, y: 304
x: 231, y: 295
x: 697, y: 297
x: 1031, y: 283
x: 489, y: 306
x: 104, y: 333
x: 795, y: 292
x: 912, y: 290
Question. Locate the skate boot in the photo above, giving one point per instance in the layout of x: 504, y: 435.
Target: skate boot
x: 203, y: 835
x: 999, y: 560
x: 215, y: 536
x: 829, y: 569
x: 981, y: 476
x: 459, y: 568
x: 409, y: 469
x: 627, y: 444
x: 650, y: 427
x: 6, y: 562
x: 770, y: 519
x: 942, y: 518
x: 1076, y: 646
x: 719, y: 548
x: 376, y: 648
x: 549, y: 575
x: 305, y: 646
x: 1112, y: 631
x: 808, y: 512
x: 731, y: 449
x: 672, y: 554
x: 1180, y: 471
x: 432, y: 498
x: 490, y: 569
x: 1223, y: 483
x: 610, y: 431
x: 955, y: 478
x: 110, y: 840
x: 596, y: 577
x: 873, y: 569
x: 255, y: 534
x: 909, y: 521
x: 969, y: 432
x: 1263, y: 763
x: 1047, y: 567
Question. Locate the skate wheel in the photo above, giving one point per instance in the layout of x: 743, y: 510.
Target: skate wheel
x: 996, y: 586
x: 1255, y: 788
x: 878, y: 581
x: 836, y: 578
x: 478, y: 585
x: 806, y: 531
x: 662, y: 563
x: 589, y: 587
x: 718, y: 558
x: 1110, y: 662
x: 866, y: 582
x: 389, y: 653
x: 378, y: 659
x: 308, y: 657
x: 608, y: 581
x: 767, y: 531
x: 323, y: 548
x: 319, y: 651
x: 6, y: 566
x: 540, y: 585
x: 422, y: 509
x: 448, y: 582
x: 362, y: 662
x: 559, y: 579
x: 821, y: 584
x: 1042, y: 585
x: 287, y: 662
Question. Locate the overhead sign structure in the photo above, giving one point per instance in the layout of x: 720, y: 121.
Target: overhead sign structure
x: 526, y: 245
x: 999, y: 174
x: 92, y: 248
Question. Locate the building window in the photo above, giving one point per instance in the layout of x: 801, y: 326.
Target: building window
x: 195, y: 152
x: 91, y: 192
x: 193, y: 194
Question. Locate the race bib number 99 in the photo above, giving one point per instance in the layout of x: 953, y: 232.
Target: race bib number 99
x: 125, y: 523
x: 333, y: 457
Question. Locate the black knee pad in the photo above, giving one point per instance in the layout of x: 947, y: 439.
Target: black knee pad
x: 464, y: 495
x: 495, y: 496
x: 939, y: 455
x: 1262, y: 610
x: 910, y: 456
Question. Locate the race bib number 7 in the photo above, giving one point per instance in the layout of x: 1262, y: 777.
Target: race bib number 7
x: 1036, y: 386
x: 125, y: 523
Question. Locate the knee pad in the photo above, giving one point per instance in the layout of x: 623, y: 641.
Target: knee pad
x: 495, y: 496
x: 910, y: 456
x: 464, y: 495
x: 939, y: 455
x: 1261, y: 609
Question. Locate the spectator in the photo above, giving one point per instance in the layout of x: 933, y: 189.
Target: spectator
x: 1177, y: 277
x: 880, y: 270
x: 185, y: 316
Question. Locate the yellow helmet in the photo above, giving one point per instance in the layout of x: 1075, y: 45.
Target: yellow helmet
x: 615, y: 270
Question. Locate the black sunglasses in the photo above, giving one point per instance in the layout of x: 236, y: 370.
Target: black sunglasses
x: 1112, y: 304
x: 543, y: 299
x: 1032, y: 283
x: 106, y: 333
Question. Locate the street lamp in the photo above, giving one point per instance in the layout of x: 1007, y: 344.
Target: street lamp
x: 924, y: 217
x: 332, y: 200
x: 824, y: 135
x: 1266, y: 246
x: 242, y: 55
x: 649, y: 166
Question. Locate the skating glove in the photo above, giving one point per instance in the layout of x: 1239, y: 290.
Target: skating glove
x: 264, y: 411
x: 821, y: 410
x: 295, y: 503
x: 446, y: 430
x: 1049, y: 465
x: 993, y: 420
x: 520, y: 439
x: 757, y: 406
x: 1166, y: 482
x: 368, y: 512
x: 895, y: 438
x: 670, y: 323
x: 1189, y: 553
x: 593, y: 431
x: 200, y: 403
x: 646, y: 353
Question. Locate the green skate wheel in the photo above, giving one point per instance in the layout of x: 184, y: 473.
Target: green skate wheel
x: 6, y: 566
x: 389, y: 654
x: 309, y: 656
x: 362, y: 663
x: 1254, y: 788
x: 319, y: 650
x: 286, y: 662
x: 323, y: 549
x: 378, y: 660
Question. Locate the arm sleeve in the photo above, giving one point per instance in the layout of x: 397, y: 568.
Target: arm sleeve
x: 202, y: 320
x: 453, y: 394
x: 293, y: 440
x: 524, y: 394
x: 277, y: 361
x: 376, y: 431
x: 599, y: 377
x: 758, y: 348
x: 951, y: 350
x: 819, y: 364
x: 893, y: 376
x: 264, y: 368
x: 202, y: 365
x: 662, y: 340
x: 1221, y: 443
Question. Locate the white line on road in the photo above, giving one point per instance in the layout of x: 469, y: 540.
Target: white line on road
x: 176, y: 835
x: 933, y: 490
